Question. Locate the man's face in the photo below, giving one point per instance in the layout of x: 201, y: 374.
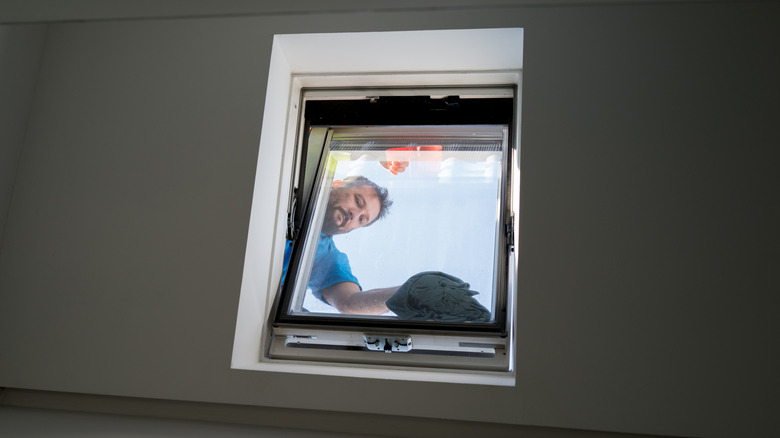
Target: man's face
x: 350, y: 208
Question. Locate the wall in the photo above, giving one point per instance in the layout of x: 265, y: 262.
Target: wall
x: 648, y: 224
x: 21, y: 47
x: 36, y: 423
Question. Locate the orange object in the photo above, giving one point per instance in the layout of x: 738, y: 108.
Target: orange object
x: 412, y: 153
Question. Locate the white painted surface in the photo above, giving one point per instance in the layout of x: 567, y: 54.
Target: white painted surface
x: 452, y: 50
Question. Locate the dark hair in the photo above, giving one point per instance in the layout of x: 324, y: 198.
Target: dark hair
x: 384, y: 201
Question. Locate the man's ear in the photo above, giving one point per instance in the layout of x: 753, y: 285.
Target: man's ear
x: 336, y: 183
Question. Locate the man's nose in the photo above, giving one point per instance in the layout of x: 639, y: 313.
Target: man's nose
x: 354, y: 215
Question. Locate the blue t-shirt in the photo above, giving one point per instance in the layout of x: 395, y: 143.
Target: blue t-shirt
x: 330, y: 266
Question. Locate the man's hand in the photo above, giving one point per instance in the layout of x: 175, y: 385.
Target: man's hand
x: 347, y: 297
x: 395, y: 167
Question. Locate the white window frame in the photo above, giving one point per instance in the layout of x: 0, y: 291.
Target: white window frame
x: 458, y: 58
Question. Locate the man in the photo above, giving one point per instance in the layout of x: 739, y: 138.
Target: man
x: 354, y: 202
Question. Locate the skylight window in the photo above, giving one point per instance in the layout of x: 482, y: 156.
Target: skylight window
x: 399, y: 231
x: 282, y: 327
x: 442, y: 225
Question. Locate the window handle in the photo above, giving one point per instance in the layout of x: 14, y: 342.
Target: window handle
x: 388, y: 343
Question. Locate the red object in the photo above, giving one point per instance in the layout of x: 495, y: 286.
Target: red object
x: 412, y: 153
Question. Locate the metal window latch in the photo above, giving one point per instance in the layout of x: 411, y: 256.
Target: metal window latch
x: 388, y: 343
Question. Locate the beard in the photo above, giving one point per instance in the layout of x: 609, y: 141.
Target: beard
x: 334, y: 220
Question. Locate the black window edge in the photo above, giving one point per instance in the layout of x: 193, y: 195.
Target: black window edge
x: 391, y: 111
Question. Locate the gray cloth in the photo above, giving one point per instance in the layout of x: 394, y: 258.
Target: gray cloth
x: 436, y: 296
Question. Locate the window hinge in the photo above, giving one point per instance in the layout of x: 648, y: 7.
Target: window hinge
x: 292, y: 230
x: 510, y: 234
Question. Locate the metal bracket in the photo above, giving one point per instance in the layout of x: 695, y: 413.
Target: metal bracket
x: 388, y: 343
x: 510, y: 233
x: 292, y: 230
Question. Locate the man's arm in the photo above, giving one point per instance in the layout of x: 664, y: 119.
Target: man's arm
x: 347, y: 297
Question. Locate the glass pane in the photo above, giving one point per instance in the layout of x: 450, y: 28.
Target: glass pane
x: 434, y: 250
